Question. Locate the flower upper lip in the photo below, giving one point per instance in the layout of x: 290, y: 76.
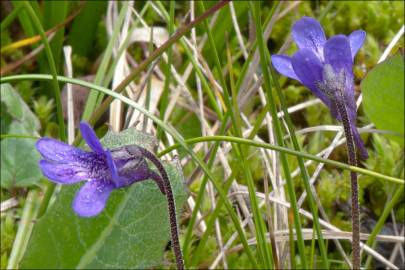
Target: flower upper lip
x: 315, y: 51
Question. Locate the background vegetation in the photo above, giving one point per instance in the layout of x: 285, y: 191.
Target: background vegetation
x: 212, y: 81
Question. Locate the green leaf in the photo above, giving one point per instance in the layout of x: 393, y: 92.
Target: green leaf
x: 128, y: 137
x: 19, y: 160
x: 132, y: 232
x: 18, y: 109
x: 383, y: 96
x: 5, y: 119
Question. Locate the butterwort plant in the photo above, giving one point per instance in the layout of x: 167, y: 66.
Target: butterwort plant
x: 104, y: 170
x: 325, y: 67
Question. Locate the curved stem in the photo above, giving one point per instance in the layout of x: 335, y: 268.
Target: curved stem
x: 158, y: 180
x: 337, y: 164
x: 183, y: 143
x: 170, y: 204
x: 351, y: 152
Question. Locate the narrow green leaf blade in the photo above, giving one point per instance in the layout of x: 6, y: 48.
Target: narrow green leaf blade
x: 55, y: 12
x: 84, y: 28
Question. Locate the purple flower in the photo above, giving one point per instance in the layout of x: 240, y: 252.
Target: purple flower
x: 103, y: 170
x: 308, y: 64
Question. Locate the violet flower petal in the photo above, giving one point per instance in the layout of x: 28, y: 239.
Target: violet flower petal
x: 58, y: 151
x: 308, y: 68
x: 90, y: 137
x: 66, y: 164
x: 338, y: 54
x: 112, y: 167
x: 308, y: 34
x: 359, y: 142
x: 352, y: 110
x: 132, y: 171
x: 356, y: 39
x: 91, y: 199
x: 63, y: 173
x: 283, y: 65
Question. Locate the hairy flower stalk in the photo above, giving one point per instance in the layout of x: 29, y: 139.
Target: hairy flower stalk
x: 104, y: 170
x: 325, y: 66
x: 333, y: 86
x: 171, y: 206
